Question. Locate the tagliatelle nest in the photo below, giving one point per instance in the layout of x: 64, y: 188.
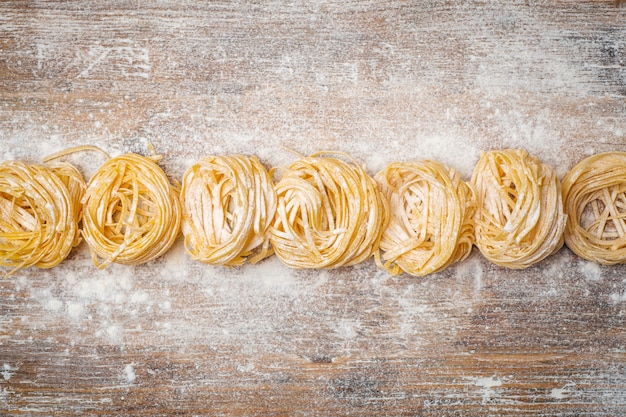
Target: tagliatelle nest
x: 330, y: 213
x: 595, y: 201
x: 75, y: 183
x: 131, y: 213
x: 520, y: 217
x: 39, y: 213
x: 228, y: 204
x: 431, y: 223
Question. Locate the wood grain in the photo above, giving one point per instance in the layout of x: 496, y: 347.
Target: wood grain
x: 384, y: 81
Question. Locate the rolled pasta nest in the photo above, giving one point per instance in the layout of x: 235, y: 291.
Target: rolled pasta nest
x: 39, y: 213
x: 228, y: 205
x: 330, y: 213
x: 431, y: 217
x: 520, y: 217
x: 131, y: 213
x: 595, y: 200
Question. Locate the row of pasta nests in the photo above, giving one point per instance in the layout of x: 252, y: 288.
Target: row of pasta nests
x: 324, y: 211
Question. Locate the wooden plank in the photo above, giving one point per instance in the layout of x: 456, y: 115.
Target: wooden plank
x: 383, y: 81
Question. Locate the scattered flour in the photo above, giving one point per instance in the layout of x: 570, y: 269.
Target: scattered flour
x: 99, y: 296
x: 591, y: 270
x: 54, y: 304
x: 114, y: 332
x: 451, y: 150
x: 487, y: 385
x: 472, y: 268
x: 347, y: 329
x: 75, y: 310
x: 8, y: 371
x: 249, y: 367
x: 174, y: 265
x: 618, y: 297
x: 273, y: 274
x: 113, y: 286
x: 129, y: 373
x: 559, y: 393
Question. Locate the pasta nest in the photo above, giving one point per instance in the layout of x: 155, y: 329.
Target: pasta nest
x: 40, y: 210
x: 330, y: 213
x: 520, y: 217
x: 131, y: 212
x: 431, y: 224
x: 228, y: 205
x: 595, y: 200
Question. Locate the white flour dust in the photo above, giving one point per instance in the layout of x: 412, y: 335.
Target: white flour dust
x: 488, y: 387
x: 129, y: 373
x: 590, y: 270
x: 414, y: 88
x: 8, y: 371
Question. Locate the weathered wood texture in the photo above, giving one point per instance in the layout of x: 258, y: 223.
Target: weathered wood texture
x: 381, y: 80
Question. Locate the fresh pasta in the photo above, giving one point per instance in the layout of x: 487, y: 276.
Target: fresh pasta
x: 228, y: 205
x: 520, y: 217
x: 324, y: 212
x: 595, y: 200
x: 39, y: 213
x: 330, y: 213
x: 431, y: 217
x: 131, y: 213
x: 75, y: 184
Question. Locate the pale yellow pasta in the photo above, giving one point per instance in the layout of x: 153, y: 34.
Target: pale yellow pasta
x: 594, y: 193
x: 431, y: 217
x: 38, y: 214
x: 228, y: 205
x: 330, y: 213
x: 73, y: 180
x: 520, y: 217
x: 131, y: 213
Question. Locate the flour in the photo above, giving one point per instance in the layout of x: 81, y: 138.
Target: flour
x: 347, y: 329
x: 590, y: 270
x: 381, y: 84
x: 472, y: 268
x: 559, y: 393
x: 8, y: 371
x: 487, y: 385
x: 129, y: 373
x: 618, y: 297
x: 82, y: 296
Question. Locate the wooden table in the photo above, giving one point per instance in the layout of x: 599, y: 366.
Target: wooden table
x: 381, y: 80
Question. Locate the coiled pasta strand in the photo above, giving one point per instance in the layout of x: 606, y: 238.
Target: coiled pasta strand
x: 431, y: 212
x: 330, y: 213
x: 131, y: 213
x: 595, y: 200
x: 39, y: 214
x: 520, y: 217
x: 228, y: 205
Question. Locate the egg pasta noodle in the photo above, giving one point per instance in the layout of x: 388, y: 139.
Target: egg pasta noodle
x: 39, y: 213
x: 228, y: 204
x: 431, y: 217
x: 131, y: 213
x: 73, y: 180
x: 520, y: 217
x: 595, y: 201
x: 330, y: 213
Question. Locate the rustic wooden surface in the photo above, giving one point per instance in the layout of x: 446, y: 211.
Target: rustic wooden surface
x: 382, y: 80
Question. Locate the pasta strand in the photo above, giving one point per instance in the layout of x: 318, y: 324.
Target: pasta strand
x: 131, y: 213
x: 520, y: 217
x: 330, y: 213
x: 228, y: 205
x: 594, y: 192
x: 39, y: 213
x: 431, y: 212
